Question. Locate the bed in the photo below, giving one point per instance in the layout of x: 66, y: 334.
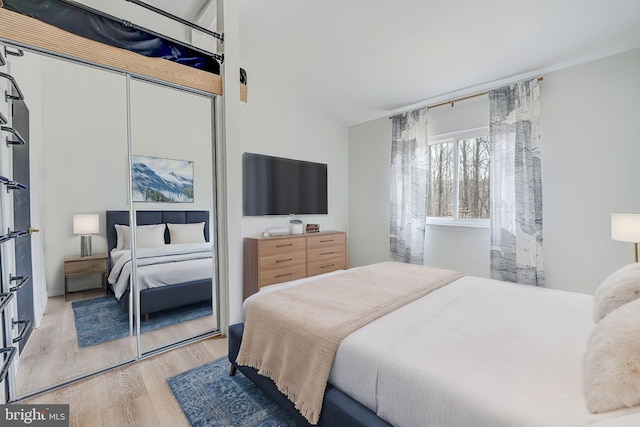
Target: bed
x: 168, y: 289
x: 474, y: 351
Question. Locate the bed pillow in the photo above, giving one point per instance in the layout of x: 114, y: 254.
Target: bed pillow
x: 186, y: 233
x: 612, y: 361
x: 620, y: 287
x: 150, y: 236
x: 122, y: 236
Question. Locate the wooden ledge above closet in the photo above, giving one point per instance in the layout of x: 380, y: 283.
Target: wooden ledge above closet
x: 35, y: 34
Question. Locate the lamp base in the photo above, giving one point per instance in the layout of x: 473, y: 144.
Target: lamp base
x: 85, y: 245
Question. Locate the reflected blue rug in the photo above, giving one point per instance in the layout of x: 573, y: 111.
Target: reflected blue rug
x: 100, y: 320
x: 208, y: 396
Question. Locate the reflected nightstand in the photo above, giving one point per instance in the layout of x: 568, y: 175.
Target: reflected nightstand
x: 76, y: 266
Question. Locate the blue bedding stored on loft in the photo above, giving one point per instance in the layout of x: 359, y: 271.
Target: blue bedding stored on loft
x: 92, y: 24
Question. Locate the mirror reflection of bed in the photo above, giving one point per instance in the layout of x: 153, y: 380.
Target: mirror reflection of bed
x: 173, y: 270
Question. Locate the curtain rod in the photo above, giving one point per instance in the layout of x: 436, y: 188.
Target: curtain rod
x: 458, y: 99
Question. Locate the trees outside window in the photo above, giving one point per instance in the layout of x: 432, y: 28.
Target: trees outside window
x: 459, y: 178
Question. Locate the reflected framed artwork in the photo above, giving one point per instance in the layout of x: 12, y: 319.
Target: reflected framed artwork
x: 162, y: 180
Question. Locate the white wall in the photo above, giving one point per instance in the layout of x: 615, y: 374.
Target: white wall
x: 589, y: 170
x: 590, y: 167
x: 278, y: 123
x: 173, y: 124
x: 84, y: 151
x: 275, y: 121
x: 369, y: 184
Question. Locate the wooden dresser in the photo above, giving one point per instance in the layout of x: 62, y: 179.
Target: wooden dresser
x: 270, y: 260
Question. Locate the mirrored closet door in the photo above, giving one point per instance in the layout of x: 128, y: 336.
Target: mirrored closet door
x: 107, y: 151
x: 173, y: 194
x: 78, y: 158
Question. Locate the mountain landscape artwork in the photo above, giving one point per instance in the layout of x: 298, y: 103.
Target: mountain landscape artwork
x: 162, y: 180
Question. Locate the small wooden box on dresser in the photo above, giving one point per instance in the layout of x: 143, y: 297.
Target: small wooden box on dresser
x: 271, y: 260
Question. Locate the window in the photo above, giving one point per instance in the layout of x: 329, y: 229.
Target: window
x: 459, y: 166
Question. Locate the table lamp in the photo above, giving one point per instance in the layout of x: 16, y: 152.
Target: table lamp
x: 86, y: 225
x: 625, y: 227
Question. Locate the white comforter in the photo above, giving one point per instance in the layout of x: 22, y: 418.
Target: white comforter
x: 161, y: 266
x: 477, y: 352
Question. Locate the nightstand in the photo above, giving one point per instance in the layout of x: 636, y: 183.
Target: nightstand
x: 76, y: 266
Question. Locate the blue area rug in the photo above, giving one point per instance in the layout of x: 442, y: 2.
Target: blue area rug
x: 208, y: 396
x: 100, y: 320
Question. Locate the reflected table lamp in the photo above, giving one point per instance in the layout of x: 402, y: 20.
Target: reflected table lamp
x: 625, y: 227
x: 85, y: 225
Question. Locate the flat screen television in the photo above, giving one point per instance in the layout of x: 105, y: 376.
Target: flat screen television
x: 279, y: 186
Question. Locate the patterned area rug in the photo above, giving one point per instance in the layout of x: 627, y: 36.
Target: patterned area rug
x: 208, y: 396
x: 100, y: 320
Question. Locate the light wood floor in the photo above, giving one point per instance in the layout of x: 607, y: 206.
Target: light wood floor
x: 135, y: 395
x: 52, y: 354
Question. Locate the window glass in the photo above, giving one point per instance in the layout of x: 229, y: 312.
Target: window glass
x: 459, y: 178
x: 473, y: 178
x: 441, y: 165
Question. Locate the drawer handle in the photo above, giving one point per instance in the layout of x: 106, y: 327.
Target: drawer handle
x: 284, y: 260
x: 284, y: 246
x: 327, y: 266
x: 327, y: 253
x: 284, y: 275
x: 325, y: 241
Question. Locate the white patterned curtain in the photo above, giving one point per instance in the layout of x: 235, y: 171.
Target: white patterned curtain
x: 409, y: 179
x: 516, y: 184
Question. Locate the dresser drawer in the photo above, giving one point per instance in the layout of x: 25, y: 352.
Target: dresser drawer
x: 269, y: 277
x: 84, y: 267
x: 279, y: 246
x: 325, y: 253
x: 282, y: 260
x: 272, y: 260
x: 325, y: 240
x: 325, y: 266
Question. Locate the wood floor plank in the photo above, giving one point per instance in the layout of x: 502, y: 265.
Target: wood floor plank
x: 136, y: 394
x: 52, y: 354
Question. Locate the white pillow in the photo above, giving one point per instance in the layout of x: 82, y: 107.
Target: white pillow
x: 619, y: 288
x: 122, y: 234
x: 150, y: 236
x: 147, y: 236
x: 186, y: 233
x: 612, y: 361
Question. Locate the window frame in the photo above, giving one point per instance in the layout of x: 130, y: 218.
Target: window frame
x: 454, y: 137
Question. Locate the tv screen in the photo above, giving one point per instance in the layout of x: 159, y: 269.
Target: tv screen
x: 279, y: 186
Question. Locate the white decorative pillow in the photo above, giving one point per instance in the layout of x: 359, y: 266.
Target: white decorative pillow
x: 620, y: 287
x: 612, y: 361
x: 150, y: 236
x: 122, y: 234
x: 186, y: 233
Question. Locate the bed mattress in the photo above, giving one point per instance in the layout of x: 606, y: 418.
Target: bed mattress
x: 161, y: 266
x: 476, y: 352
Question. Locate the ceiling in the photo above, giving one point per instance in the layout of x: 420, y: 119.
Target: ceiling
x: 358, y: 60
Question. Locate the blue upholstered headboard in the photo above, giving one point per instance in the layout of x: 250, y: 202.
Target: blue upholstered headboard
x: 154, y: 217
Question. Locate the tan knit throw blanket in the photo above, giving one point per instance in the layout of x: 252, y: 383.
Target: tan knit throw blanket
x: 292, y: 335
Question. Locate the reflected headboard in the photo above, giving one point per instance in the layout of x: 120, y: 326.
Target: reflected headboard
x: 154, y: 217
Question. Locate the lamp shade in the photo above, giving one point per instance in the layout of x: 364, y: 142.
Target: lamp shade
x: 625, y: 227
x: 86, y: 224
